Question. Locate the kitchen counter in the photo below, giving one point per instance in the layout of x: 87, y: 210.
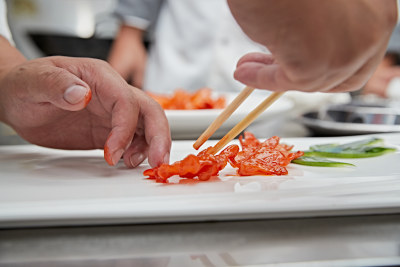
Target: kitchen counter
x: 335, y: 241
x: 372, y: 240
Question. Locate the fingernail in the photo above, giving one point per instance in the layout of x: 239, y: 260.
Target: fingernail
x: 136, y: 159
x: 117, y: 156
x: 166, y: 158
x: 76, y: 94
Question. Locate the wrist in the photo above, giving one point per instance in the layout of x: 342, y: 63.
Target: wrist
x: 10, y: 57
x: 127, y: 46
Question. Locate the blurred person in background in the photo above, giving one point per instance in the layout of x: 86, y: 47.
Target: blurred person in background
x: 197, y: 44
x: 193, y: 44
x: 385, y: 82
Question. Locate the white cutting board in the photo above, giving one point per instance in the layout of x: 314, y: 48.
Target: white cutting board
x: 46, y: 187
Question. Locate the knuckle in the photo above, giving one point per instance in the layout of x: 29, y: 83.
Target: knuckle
x: 51, y: 76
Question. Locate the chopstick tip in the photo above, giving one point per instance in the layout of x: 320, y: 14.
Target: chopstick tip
x: 196, y: 145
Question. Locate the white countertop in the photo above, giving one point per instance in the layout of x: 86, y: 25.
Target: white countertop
x: 47, y: 187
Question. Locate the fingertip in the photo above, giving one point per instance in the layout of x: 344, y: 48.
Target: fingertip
x: 159, y: 151
x: 112, y: 155
x: 136, y: 159
x: 76, y: 94
x: 247, y: 73
x: 256, y: 57
x: 77, y: 97
x: 112, y: 158
x: 155, y: 162
x: 166, y: 158
x: 107, y: 155
x: 88, y: 97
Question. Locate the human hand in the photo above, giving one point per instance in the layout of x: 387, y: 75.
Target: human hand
x: 128, y: 55
x: 80, y: 103
x: 328, y: 46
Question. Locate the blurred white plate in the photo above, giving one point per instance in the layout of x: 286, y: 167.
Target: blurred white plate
x: 190, y: 124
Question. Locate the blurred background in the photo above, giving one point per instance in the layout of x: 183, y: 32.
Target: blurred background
x: 83, y: 28
x: 87, y: 28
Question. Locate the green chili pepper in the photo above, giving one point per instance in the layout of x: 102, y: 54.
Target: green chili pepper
x: 337, y: 148
x: 358, y: 149
x: 320, y: 162
x: 367, y: 152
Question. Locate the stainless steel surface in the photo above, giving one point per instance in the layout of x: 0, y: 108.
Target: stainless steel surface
x: 340, y: 241
x: 354, y: 118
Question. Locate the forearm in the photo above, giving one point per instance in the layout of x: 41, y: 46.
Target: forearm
x: 128, y: 54
x: 127, y: 39
x: 9, y: 58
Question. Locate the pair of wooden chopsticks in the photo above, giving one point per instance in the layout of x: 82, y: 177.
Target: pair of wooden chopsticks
x: 227, y: 112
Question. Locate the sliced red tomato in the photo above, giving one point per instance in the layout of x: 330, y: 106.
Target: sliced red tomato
x: 182, y: 99
x: 256, y: 158
x: 203, y: 165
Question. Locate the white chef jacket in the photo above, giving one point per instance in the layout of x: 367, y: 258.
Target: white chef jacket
x: 195, y: 44
x: 198, y: 43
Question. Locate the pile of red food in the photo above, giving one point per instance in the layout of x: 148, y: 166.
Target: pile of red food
x: 182, y: 99
x: 255, y: 158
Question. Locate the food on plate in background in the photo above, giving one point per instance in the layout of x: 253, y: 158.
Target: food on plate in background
x: 256, y: 158
x: 182, y: 99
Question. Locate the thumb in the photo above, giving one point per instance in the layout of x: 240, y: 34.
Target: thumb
x: 75, y: 97
x: 61, y: 88
x: 261, y: 71
x: 258, y: 75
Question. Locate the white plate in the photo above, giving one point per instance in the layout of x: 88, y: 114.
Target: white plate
x: 190, y: 124
x: 41, y: 186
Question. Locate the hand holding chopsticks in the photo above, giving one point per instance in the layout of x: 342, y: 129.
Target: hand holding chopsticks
x: 241, y: 125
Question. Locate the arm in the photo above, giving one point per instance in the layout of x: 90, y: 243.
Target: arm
x: 328, y: 46
x: 387, y: 70
x: 384, y: 81
x: 128, y: 54
x: 80, y: 103
x: 9, y: 56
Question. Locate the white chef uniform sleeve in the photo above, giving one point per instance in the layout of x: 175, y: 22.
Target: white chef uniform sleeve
x: 138, y: 13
